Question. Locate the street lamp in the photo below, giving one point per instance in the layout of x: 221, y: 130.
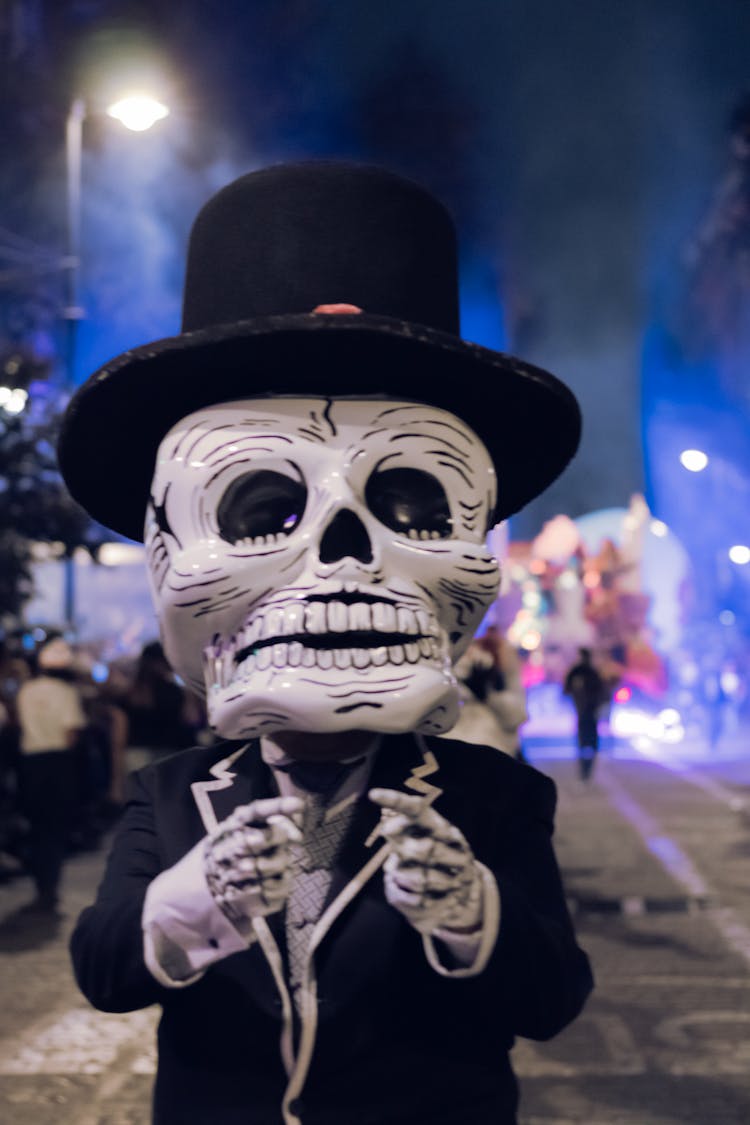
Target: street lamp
x: 136, y: 112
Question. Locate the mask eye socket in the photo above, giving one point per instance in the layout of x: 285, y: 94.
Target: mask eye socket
x: 411, y: 502
x: 260, y: 503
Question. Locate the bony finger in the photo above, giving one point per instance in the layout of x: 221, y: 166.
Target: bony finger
x: 272, y: 865
x: 394, y: 826
x: 392, y: 800
x: 287, y: 827
x: 258, y: 813
x: 419, y: 849
x: 451, y: 854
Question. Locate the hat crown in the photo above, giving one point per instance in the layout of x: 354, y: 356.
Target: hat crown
x: 291, y: 237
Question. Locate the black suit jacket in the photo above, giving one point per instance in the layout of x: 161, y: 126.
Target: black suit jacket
x: 397, y: 1043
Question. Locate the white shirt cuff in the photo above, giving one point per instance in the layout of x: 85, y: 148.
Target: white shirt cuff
x: 471, y: 951
x: 184, y: 931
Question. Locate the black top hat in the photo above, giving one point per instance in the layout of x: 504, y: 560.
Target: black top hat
x: 264, y: 253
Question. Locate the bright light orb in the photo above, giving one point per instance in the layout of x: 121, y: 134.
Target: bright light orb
x: 138, y: 112
x: 13, y: 400
x: 658, y: 528
x: 694, y: 460
x: 740, y: 554
x: 531, y: 640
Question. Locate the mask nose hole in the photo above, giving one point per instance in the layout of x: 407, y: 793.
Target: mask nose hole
x: 345, y: 535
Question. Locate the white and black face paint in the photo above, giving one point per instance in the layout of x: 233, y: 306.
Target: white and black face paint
x: 318, y: 564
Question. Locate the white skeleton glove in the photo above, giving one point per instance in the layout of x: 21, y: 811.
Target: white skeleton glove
x: 247, y: 859
x: 431, y: 875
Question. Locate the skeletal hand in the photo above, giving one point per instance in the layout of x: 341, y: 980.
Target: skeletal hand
x: 431, y: 875
x: 247, y: 859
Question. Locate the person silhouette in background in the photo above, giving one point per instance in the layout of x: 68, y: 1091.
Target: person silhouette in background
x: 493, y: 698
x: 51, y: 718
x: 587, y: 690
x: 160, y: 716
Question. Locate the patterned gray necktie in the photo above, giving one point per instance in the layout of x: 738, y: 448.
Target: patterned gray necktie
x: 312, y: 864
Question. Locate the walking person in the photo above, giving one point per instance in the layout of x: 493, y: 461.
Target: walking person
x: 50, y: 717
x: 587, y: 690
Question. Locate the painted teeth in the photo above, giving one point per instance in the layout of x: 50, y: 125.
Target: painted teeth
x: 273, y: 624
x: 294, y: 619
x: 338, y: 618
x: 406, y: 621
x: 360, y: 618
x: 317, y: 619
x: 293, y: 654
x: 384, y: 618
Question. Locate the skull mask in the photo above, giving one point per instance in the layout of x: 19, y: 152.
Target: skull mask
x: 318, y: 564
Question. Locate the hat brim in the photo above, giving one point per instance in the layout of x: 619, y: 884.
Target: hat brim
x: 529, y: 420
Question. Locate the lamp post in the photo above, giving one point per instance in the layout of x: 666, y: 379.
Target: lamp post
x: 136, y: 112
x: 72, y: 311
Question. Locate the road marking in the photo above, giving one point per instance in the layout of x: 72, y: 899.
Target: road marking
x: 716, y: 789
x: 677, y: 863
x: 705, y: 1043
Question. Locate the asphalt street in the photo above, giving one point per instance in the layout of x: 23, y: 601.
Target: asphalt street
x: 654, y: 854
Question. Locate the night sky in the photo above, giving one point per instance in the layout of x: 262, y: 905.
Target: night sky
x: 578, y: 143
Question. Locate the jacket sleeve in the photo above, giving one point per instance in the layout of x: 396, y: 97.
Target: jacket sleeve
x: 184, y: 931
x: 543, y: 976
x: 107, y: 943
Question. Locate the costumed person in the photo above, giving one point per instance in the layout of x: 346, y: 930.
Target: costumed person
x: 51, y: 719
x: 588, y: 692
x: 492, y: 695
x: 343, y: 917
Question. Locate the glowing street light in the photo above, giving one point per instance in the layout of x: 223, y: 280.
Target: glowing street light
x: 138, y: 112
x: 740, y: 554
x: 13, y: 399
x: 694, y: 460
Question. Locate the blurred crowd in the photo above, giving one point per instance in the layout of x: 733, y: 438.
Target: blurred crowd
x: 492, y: 695
x: 67, y: 743
x: 71, y: 730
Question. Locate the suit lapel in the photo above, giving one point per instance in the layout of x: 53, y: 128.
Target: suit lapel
x: 404, y: 763
x: 238, y: 778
